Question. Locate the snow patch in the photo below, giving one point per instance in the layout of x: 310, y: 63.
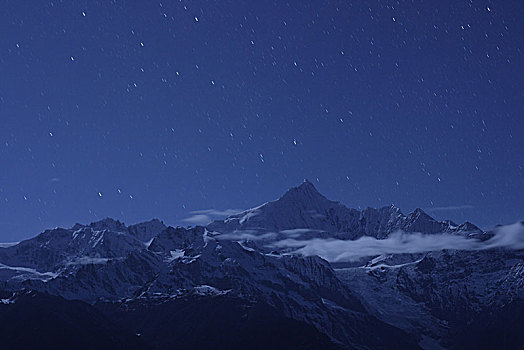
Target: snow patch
x: 97, y: 239
x: 175, y: 254
x: 8, y: 244
x: 87, y: 260
x: 206, y: 290
x: 379, y: 258
x: 332, y: 304
x: 385, y: 266
x: 245, y: 248
x: 148, y: 243
x: 28, y: 271
x: 247, y: 216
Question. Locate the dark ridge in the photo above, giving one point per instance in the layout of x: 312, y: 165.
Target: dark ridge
x: 40, y: 321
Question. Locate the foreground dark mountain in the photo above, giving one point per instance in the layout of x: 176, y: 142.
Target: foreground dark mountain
x: 31, y: 320
x: 247, y: 281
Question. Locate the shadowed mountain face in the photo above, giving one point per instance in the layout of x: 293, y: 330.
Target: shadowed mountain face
x: 171, y: 285
x: 31, y: 320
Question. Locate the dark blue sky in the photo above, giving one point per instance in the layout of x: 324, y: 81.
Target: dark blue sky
x: 140, y: 109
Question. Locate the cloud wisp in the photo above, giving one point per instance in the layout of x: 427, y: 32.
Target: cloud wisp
x: 334, y: 250
x: 451, y: 208
x: 247, y: 235
x: 254, y: 235
x: 204, y: 217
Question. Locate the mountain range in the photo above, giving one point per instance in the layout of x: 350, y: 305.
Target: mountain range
x: 299, y: 272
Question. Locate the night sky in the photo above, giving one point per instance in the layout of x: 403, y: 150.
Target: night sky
x: 140, y: 109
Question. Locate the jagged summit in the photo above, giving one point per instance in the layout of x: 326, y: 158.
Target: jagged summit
x: 143, y: 231
x: 469, y: 227
x: 300, y: 207
x: 306, y: 184
x: 304, y: 194
x: 418, y: 212
x: 303, y: 207
x: 108, y: 224
x: 146, y: 231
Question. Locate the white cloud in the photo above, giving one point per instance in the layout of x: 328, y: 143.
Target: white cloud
x: 204, y: 217
x: 198, y: 219
x: 334, y: 250
x: 294, y: 233
x: 451, y: 208
x: 246, y: 235
x: 509, y: 236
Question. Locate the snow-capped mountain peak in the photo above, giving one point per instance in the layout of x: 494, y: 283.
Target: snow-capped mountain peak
x: 303, y: 207
x: 108, y: 224
x: 305, y: 190
x: 300, y: 207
